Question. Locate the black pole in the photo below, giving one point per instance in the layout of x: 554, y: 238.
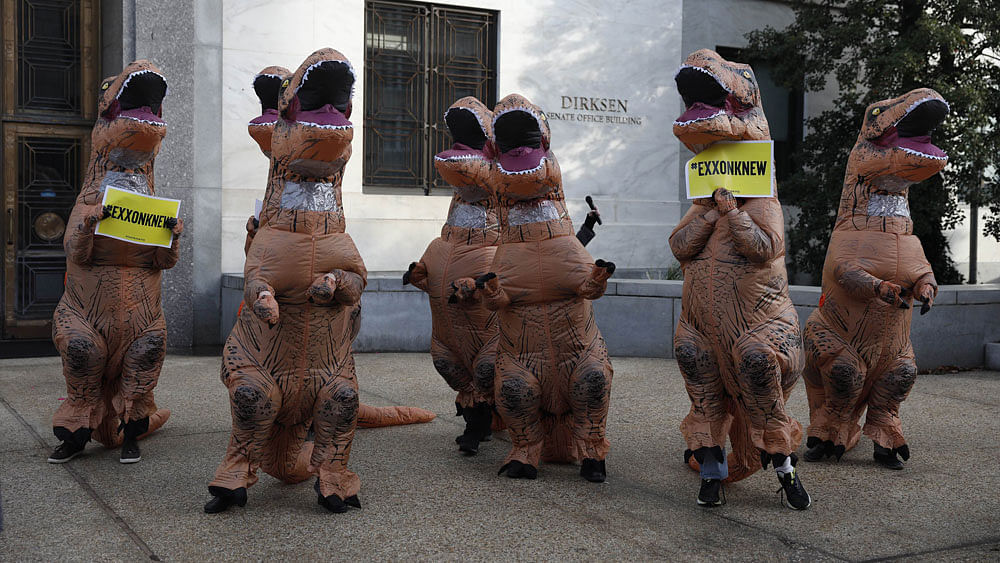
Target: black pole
x: 973, y: 240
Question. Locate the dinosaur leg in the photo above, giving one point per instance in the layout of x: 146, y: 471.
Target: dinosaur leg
x: 255, y: 401
x: 589, y: 397
x: 882, y: 423
x: 707, y: 423
x: 335, y: 418
x: 758, y: 374
x: 454, y: 373
x: 84, y: 355
x: 835, y: 382
x: 519, y: 400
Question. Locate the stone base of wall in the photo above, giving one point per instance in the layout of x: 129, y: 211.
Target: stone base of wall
x: 638, y: 318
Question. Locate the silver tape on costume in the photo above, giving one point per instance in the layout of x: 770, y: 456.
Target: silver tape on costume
x: 884, y: 205
x: 128, y: 158
x: 468, y: 216
x: 537, y: 211
x: 309, y: 196
x: 126, y: 181
x: 893, y: 184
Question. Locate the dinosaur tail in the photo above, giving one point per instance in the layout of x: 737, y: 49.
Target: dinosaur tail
x: 744, y: 457
x: 377, y: 417
x: 156, y: 420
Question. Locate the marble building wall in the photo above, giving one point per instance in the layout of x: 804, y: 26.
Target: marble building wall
x: 548, y: 49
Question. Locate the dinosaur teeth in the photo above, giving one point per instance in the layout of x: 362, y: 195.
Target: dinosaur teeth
x: 459, y: 157
x: 530, y: 111
x: 522, y: 172
x: 123, y: 116
x: 925, y: 155
x: 137, y: 73
x: 713, y: 116
x: 476, y: 115
x: 350, y: 68
x: 267, y: 74
x: 311, y: 124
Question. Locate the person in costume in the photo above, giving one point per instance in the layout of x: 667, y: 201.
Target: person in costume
x: 737, y: 341
x: 554, y: 376
x: 858, y: 351
x: 463, y: 335
x: 109, y: 326
x: 267, y: 86
x: 288, y: 363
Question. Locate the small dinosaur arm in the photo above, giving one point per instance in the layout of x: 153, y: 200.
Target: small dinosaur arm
x: 463, y: 334
x: 288, y: 363
x: 108, y: 325
x: 554, y: 376
x: 737, y: 342
x: 858, y: 340
x: 267, y: 85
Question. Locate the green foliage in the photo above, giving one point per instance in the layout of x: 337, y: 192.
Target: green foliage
x: 870, y: 50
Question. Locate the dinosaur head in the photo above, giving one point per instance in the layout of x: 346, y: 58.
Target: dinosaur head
x: 526, y: 168
x: 894, y: 147
x: 466, y: 165
x: 267, y: 85
x: 721, y: 102
x: 131, y: 127
x: 314, y: 135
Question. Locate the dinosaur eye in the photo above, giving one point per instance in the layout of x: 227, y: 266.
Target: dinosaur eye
x: 746, y: 74
x: 285, y: 84
x: 105, y: 86
x: 876, y: 111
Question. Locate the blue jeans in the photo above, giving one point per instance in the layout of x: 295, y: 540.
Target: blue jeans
x: 712, y: 469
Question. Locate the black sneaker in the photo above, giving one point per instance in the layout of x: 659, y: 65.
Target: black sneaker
x: 130, y: 451
x: 711, y: 493
x: 795, y: 495
x: 66, y: 451
x: 887, y: 458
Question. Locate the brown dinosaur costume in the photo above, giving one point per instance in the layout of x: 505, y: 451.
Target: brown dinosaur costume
x: 288, y: 363
x: 737, y: 341
x: 267, y: 85
x: 858, y: 351
x: 109, y: 326
x: 554, y: 381
x: 463, y: 339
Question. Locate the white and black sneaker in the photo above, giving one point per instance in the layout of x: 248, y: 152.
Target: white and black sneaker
x: 711, y: 493
x: 66, y: 451
x: 795, y: 495
x: 130, y: 451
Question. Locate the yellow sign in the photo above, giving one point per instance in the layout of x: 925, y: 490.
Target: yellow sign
x: 138, y: 218
x: 745, y: 168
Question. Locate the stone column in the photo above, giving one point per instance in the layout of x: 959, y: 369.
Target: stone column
x: 184, y: 39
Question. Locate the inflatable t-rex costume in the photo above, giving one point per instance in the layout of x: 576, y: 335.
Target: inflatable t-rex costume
x: 554, y: 382
x: 737, y: 342
x: 858, y: 351
x: 463, y: 339
x: 267, y: 85
x: 289, y: 368
x: 109, y: 326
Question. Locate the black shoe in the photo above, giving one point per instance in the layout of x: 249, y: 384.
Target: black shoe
x: 593, y: 470
x: 795, y: 495
x: 223, y: 498
x: 517, y: 470
x: 887, y: 458
x: 478, y: 423
x: 130, y: 451
x: 819, y: 450
x: 334, y: 503
x: 66, y: 451
x: 711, y: 493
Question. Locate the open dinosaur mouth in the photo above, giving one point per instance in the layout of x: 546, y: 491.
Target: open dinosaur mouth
x: 705, y: 96
x: 267, y: 86
x: 519, y: 140
x: 912, y: 133
x: 466, y: 129
x: 325, y: 94
x: 140, y: 98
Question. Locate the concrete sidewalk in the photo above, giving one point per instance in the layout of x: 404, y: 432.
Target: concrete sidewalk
x: 423, y: 501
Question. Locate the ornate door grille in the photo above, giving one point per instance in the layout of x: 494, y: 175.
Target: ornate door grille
x: 47, y: 107
x: 419, y: 59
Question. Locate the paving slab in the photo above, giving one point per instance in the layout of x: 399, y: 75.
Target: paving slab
x: 423, y: 501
